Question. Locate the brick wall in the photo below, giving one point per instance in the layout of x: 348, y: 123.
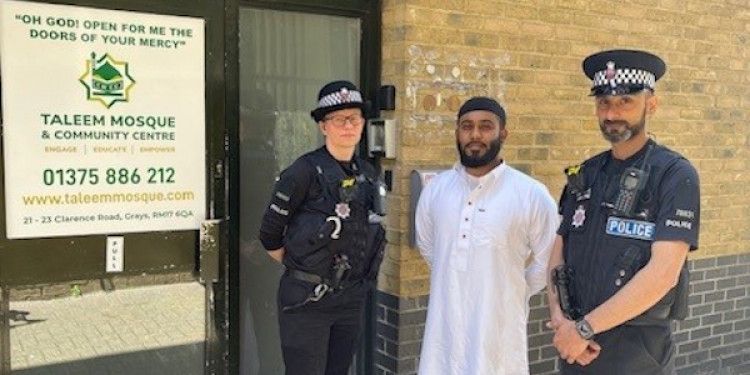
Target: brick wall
x: 438, y: 53
x: 528, y: 54
x: 715, y: 337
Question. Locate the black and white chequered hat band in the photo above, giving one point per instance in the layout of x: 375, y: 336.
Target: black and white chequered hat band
x: 340, y: 97
x: 623, y: 71
x: 624, y: 77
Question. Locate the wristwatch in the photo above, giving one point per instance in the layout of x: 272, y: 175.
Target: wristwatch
x: 584, y: 329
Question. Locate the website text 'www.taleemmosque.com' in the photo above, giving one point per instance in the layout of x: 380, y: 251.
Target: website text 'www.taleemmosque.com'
x: 105, y: 198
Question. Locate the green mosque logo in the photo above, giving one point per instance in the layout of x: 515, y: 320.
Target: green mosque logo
x: 107, y: 80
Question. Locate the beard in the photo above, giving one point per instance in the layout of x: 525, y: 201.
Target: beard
x: 470, y: 159
x: 628, y: 131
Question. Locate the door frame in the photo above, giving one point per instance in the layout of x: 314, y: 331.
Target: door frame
x: 226, y: 347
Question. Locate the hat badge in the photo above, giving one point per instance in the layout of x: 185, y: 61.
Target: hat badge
x: 610, y: 72
x: 344, y: 94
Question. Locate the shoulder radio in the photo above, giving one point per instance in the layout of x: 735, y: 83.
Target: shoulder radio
x: 632, y: 183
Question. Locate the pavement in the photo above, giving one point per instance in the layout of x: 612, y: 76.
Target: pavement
x: 145, y: 330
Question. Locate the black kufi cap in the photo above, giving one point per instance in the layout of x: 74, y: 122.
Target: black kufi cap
x: 335, y: 96
x: 622, y: 72
x: 483, y: 103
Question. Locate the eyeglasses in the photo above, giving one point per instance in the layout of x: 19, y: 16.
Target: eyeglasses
x: 340, y: 121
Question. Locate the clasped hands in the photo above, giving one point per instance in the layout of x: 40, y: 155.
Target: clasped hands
x: 570, y: 345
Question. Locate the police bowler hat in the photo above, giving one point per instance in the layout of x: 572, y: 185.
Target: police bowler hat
x: 622, y: 72
x: 335, y: 96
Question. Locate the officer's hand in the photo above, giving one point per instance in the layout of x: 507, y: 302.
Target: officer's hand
x: 590, y: 354
x: 556, y: 318
x: 568, y: 342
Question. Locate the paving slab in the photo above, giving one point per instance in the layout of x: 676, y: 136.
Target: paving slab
x: 145, y: 330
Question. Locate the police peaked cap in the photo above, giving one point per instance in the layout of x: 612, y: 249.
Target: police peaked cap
x: 335, y: 96
x: 622, y: 72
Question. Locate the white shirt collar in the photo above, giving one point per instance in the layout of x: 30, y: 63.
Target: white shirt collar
x: 493, y: 175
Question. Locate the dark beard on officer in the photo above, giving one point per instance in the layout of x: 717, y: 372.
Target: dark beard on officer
x: 629, y: 131
x: 473, y: 161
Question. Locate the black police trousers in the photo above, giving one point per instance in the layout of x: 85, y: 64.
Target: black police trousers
x: 319, y: 338
x: 630, y: 350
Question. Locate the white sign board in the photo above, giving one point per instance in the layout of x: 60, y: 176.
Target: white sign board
x: 115, y: 257
x: 104, y: 120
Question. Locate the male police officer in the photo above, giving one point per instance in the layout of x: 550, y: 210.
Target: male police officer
x: 629, y: 217
x: 318, y: 225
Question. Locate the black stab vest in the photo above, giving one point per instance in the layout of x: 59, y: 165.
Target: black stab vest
x: 604, y: 263
x: 313, y: 235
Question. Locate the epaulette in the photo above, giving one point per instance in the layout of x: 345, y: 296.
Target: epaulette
x: 576, y: 179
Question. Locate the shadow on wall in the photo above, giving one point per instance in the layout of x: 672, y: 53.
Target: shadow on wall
x: 176, y: 360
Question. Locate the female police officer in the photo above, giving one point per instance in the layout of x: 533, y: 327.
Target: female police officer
x: 317, y: 226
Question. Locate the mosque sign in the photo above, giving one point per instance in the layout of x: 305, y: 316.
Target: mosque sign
x: 103, y: 120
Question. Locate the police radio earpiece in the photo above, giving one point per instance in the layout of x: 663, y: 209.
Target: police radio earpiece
x: 632, y: 183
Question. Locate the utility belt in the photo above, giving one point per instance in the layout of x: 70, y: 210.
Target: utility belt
x: 673, y: 306
x: 317, y: 280
x: 323, y: 285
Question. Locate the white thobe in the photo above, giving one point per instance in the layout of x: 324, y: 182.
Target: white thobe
x: 477, y: 235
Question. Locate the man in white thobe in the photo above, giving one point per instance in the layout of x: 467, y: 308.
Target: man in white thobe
x: 486, y: 230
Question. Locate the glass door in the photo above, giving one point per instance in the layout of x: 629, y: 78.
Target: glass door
x: 284, y: 59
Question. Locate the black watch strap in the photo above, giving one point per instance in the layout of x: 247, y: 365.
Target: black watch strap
x: 584, y: 329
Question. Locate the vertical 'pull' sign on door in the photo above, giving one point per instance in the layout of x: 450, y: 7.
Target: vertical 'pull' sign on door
x: 104, y: 120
